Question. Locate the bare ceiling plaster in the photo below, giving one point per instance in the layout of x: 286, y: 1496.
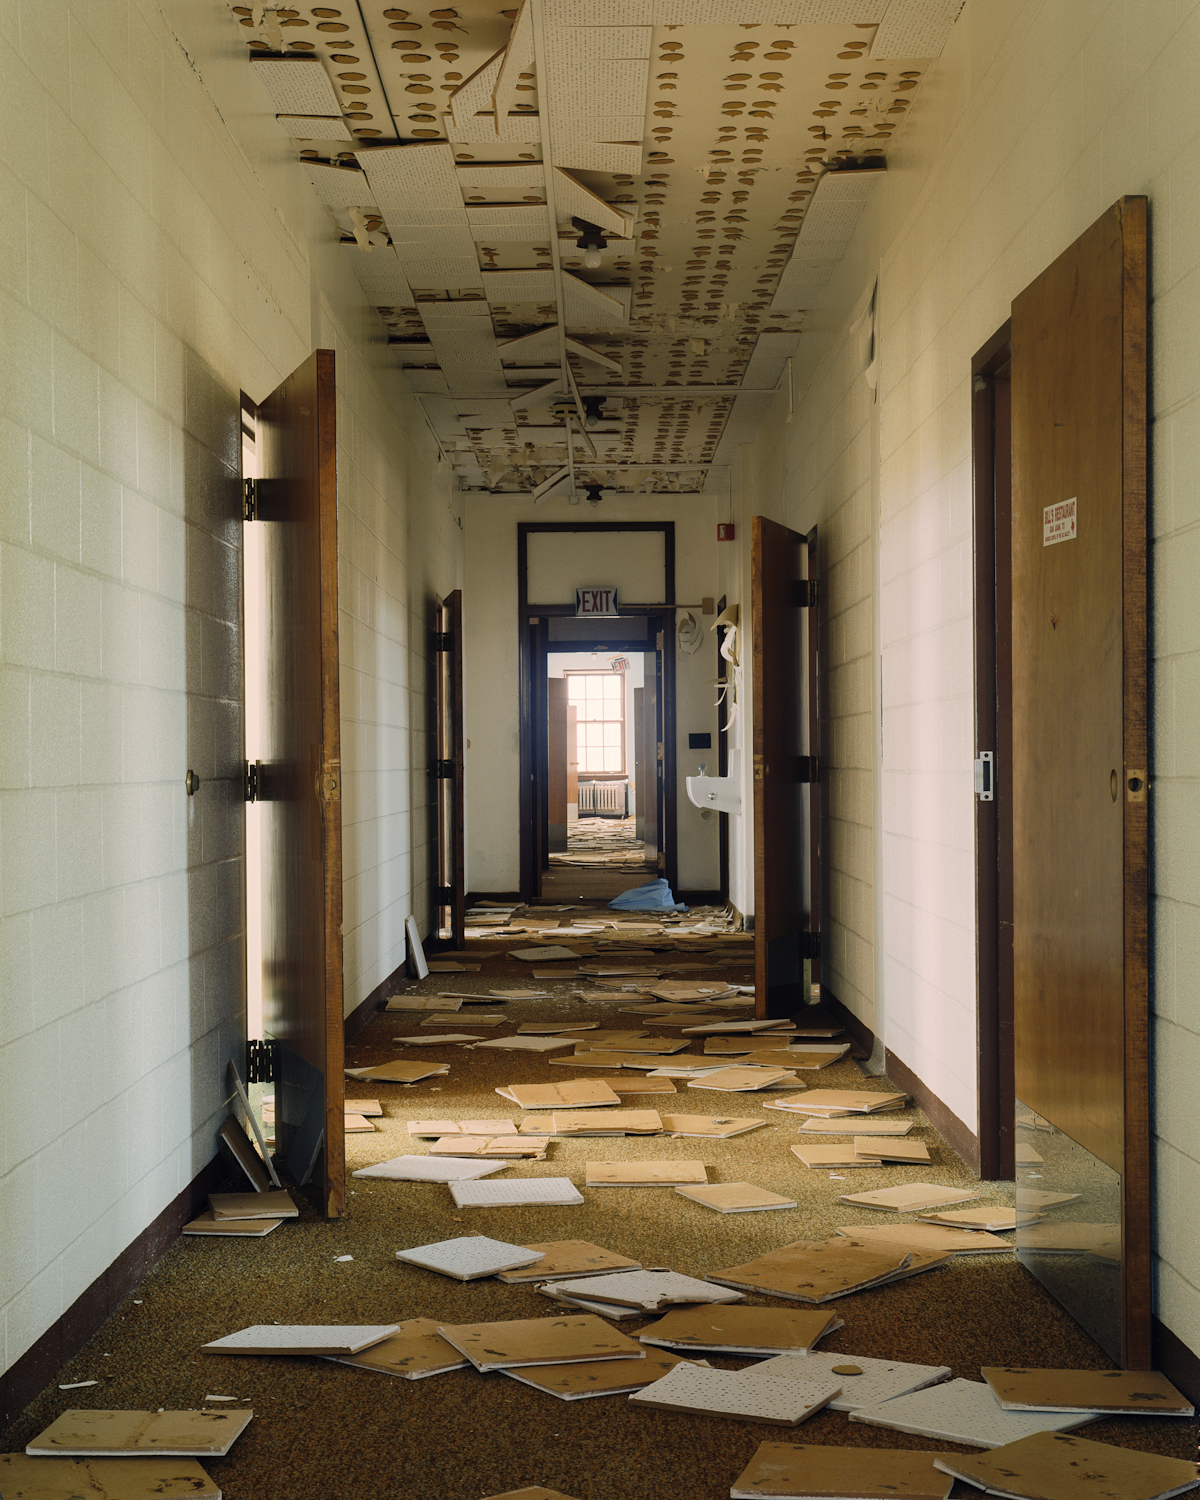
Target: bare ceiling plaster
x: 723, y: 148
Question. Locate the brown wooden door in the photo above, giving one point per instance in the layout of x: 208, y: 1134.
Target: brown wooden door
x: 301, y: 774
x: 572, y: 761
x: 782, y: 873
x: 639, y: 762
x: 1079, y: 702
x: 651, y: 759
x: 450, y: 895
x: 556, y: 764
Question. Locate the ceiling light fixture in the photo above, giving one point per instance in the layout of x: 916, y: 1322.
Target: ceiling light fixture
x: 591, y: 241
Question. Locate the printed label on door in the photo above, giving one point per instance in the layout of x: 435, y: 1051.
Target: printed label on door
x: 1059, y: 523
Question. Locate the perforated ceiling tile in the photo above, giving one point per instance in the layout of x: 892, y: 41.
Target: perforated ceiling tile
x: 447, y: 273
x: 582, y: 46
x: 599, y: 12
x: 340, y: 187
x: 517, y: 60
x: 500, y: 177
x: 380, y: 276
x: 586, y: 86
x: 915, y: 28
x: 510, y: 221
x: 571, y: 197
x: 539, y: 345
x: 298, y: 85
x: 502, y: 287
x: 593, y: 356
x: 838, y: 202
x: 475, y: 93
x: 446, y: 314
x: 577, y: 154
x: 588, y: 306
x: 421, y: 241
x: 767, y: 12
x: 398, y: 219
x: 413, y: 177
x: 315, y: 127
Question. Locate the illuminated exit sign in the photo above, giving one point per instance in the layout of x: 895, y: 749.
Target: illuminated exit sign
x: 595, y: 601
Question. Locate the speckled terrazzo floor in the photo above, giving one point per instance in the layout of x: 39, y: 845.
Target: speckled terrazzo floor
x: 329, y: 1432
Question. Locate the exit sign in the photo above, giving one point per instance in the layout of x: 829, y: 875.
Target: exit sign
x: 595, y: 601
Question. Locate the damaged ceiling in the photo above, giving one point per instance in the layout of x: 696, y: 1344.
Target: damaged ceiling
x: 593, y: 228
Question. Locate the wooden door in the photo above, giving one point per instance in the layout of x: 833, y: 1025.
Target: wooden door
x: 301, y: 774
x: 782, y: 872
x: 572, y: 765
x: 652, y: 759
x: 639, y: 762
x: 450, y: 767
x: 556, y: 764
x: 1079, y: 734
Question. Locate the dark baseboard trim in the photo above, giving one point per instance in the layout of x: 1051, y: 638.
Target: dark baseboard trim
x: 700, y: 898
x: 860, y: 1033
x: 960, y: 1137
x: 36, y: 1368
x: 365, y: 1009
x: 475, y: 897
x: 1175, y: 1360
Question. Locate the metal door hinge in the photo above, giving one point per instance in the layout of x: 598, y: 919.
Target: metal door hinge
x: 658, y: 641
x: 262, y: 1061
x: 802, y: 593
x: 250, y: 499
x: 810, y: 945
x: 443, y: 640
x: 807, y: 768
x: 443, y: 770
x: 985, y: 776
x: 662, y: 861
x: 659, y: 750
x: 250, y: 784
x: 443, y: 895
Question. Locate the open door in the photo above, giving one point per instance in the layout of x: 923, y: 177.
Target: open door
x: 1079, y: 775
x: 300, y: 777
x: 557, y: 770
x: 651, y: 766
x: 786, y: 861
x: 450, y: 896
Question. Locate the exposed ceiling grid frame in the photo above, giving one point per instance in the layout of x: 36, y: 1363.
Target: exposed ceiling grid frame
x: 518, y: 59
x: 836, y: 206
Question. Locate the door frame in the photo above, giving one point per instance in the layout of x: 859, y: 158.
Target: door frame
x: 533, y: 637
x: 991, y: 452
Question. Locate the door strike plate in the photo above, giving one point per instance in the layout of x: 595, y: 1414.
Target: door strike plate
x: 985, y: 776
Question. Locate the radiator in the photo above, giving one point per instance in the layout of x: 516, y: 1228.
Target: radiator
x: 603, y: 799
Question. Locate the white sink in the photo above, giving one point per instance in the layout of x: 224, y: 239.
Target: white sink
x: 717, y: 793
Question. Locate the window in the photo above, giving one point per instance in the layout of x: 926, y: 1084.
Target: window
x: 599, y: 701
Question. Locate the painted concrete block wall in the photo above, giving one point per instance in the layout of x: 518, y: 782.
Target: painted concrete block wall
x: 491, y: 675
x: 1035, y: 120
x: 151, y: 264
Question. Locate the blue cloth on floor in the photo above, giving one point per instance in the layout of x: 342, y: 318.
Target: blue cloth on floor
x: 655, y: 895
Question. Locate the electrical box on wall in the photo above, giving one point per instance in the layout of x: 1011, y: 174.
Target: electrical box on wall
x: 724, y: 531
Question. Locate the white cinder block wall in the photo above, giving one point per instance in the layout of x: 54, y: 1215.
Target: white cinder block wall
x: 1036, y: 119
x: 153, y: 262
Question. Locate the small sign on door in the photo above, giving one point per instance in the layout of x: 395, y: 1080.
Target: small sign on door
x: 1059, y: 522
x: 595, y: 601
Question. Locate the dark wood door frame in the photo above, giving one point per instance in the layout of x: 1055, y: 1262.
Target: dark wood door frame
x: 991, y: 445
x: 449, y: 897
x: 533, y: 636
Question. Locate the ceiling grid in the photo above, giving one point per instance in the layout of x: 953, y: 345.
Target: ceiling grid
x: 712, y: 159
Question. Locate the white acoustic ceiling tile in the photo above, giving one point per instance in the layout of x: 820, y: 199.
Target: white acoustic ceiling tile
x: 380, y: 276
x: 838, y: 201
x: 421, y: 241
x: 572, y: 199
x: 431, y: 382
x: 398, y: 219
x: 516, y: 221
x: 417, y: 176
x: 743, y: 423
x: 592, y: 86
x: 573, y: 46
x: 475, y: 93
x: 767, y: 12
x: 539, y: 345
x: 315, y: 127
x: 771, y: 353
x: 521, y: 130
x: 444, y: 314
x: 915, y: 28
x: 339, y: 187
x: 598, y: 127
x: 501, y: 177
x: 518, y: 59
x: 298, y: 85
x: 593, y: 356
x: 598, y: 156
x: 801, y: 285
x: 450, y: 273
x: 599, y: 12
x: 503, y: 287
x: 587, y: 306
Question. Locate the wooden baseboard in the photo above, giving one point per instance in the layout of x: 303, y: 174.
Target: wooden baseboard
x: 36, y: 1368
x: 365, y: 1009
x: 1175, y: 1360
x: 958, y: 1136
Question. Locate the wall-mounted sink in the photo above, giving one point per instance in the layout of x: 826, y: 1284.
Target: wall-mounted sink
x: 717, y: 793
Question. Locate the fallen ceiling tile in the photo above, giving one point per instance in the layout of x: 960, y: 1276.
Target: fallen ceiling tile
x: 298, y: 85
x: 915, y: 28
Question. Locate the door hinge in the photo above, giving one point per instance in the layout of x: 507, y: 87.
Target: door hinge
x: 807, y: 768
x: 659, y: 750
x: 443, y: 640
x: 662, y: 860
x: 262, y: 1061
x: 443, y: 895
x: 810, y: 945
x: 250, y: 783
x: 985, y: 776
x: 250, y: 499
x: 443, y: 770
x: 658, y: 641
x: 802, y: 593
